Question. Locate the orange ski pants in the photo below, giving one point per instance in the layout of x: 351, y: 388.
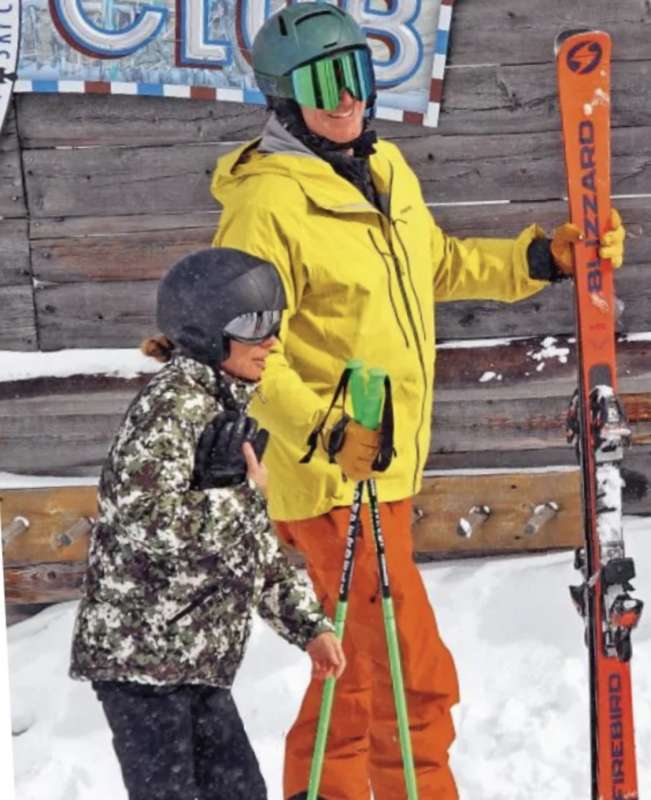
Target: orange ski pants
x: 363, y: 749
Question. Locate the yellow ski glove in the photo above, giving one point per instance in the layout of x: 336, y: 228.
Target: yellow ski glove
x: 611, y: 244
x: 354, y: 448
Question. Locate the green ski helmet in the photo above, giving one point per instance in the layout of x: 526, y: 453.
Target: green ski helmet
x: 310, y: 52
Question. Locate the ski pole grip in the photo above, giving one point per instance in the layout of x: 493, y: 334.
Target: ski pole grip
x: 367, y: 393
x: 374, y: 398
x: 357, y: 387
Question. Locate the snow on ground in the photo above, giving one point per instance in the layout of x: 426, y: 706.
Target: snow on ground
x: 522, y: 723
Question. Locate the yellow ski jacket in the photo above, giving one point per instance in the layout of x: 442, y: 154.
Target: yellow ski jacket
x: 362, y: 284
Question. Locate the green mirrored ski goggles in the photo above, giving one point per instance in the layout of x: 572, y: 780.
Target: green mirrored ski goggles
x: 320, y: 83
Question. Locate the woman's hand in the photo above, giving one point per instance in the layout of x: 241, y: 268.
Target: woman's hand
x: 328, y: 659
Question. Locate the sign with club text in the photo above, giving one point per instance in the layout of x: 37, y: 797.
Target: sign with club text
x: 202, y: 49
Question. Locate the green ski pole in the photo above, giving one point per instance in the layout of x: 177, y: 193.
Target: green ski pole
x: 367, y: 403
x: 371, y: 418
x: 393, y: 647
x: 327, y: 698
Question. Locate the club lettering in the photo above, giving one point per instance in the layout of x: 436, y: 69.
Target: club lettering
x: 394, y: 27
x: 83, y: 34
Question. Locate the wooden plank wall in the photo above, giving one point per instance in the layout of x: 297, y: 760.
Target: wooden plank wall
x: 99, y: 194
x: 45, y: 531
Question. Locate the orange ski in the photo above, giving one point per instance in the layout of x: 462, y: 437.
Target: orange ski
x: 595, y: 418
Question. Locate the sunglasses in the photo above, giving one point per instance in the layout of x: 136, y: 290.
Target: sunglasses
x: 320, y: 83
x: 254, y: 327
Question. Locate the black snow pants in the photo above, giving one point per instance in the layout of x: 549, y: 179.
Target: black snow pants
x: 180, y: 743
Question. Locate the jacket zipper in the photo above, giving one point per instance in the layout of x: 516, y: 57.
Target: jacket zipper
x: 195, y: 600
x: 410, y: 317
x: 411, y: 279
x: 393, y: 302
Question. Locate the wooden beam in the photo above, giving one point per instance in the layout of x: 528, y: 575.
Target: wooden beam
x: 497, y: 98
x: 44, y: 386
x: 110, y: 314
x: 512, y: 499
x: 120, y: 313
x: 43, y: 583
x: 636, y: 467
x: 551, y: 310
x: 58, y: 241
x: 511, y: 167
x: 121, y: 226
x: 17, y: 318
x: 119, y: 256
x: 508, y: 220
x: 155, y: 180
x: 485, y: 96
x: 121, y: 180
x: 472, y: 220
x: 98, y: 274
x: 501, y: 405
x: 53, y: 515
x: 494, y: 423
x: 70, y: 432
x: 48, y: 121
x: 37, y: 570
x: 12, y: 194
x: 508, y: 32
x: 549, y: 364
x: 14, y: 253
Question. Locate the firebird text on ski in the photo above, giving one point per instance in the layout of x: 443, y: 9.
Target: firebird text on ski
x: 616, y: 732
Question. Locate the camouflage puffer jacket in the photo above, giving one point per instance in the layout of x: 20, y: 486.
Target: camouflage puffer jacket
x: 160, y: 546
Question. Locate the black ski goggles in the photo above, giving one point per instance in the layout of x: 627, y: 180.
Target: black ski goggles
x: 320, y: 83
x: 254, y: 327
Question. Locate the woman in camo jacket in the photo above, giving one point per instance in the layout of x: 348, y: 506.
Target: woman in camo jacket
x: 182, y: 552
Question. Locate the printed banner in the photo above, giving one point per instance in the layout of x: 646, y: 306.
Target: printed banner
x: 201, y: 49
x: 9, y: 42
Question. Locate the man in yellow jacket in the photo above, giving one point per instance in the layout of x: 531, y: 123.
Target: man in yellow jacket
x: 363, y: 263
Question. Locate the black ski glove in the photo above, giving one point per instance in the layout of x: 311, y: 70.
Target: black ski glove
x: 219, y: 460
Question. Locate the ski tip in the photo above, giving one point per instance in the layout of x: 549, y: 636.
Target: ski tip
x: 563, y: 36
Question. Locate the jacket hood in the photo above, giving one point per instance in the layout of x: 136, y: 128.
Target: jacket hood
x: 279, y: 153
x: 277, y: 139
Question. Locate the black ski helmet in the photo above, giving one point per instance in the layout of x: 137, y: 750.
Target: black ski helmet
x: 206, y: 290
x: 298, y: 35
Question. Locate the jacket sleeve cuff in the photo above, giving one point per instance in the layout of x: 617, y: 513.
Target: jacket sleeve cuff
x: 542, y: 266
x: 311, y: 631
